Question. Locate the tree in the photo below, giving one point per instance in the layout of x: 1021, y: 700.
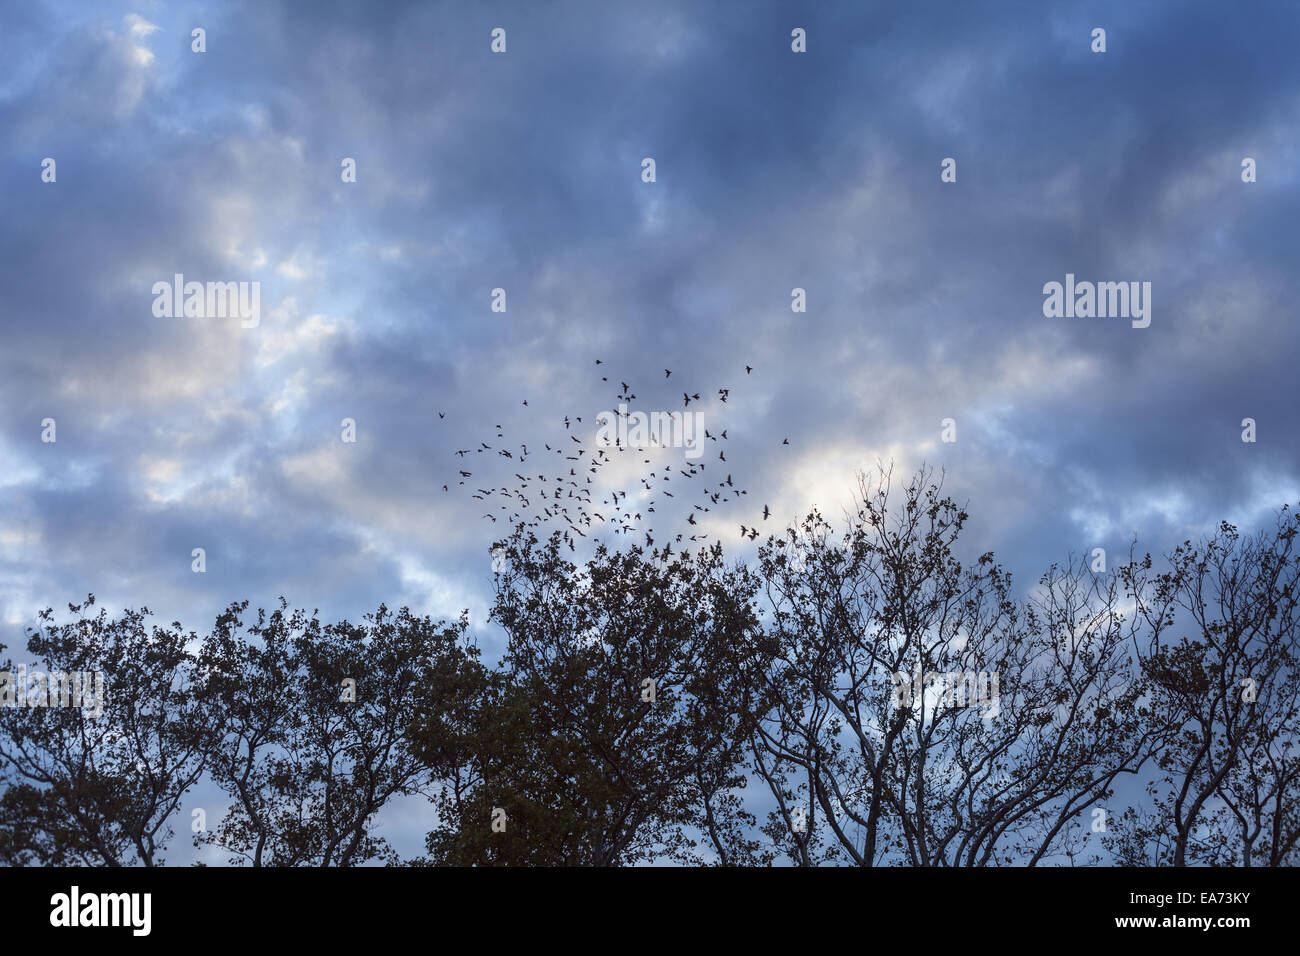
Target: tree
x: 894, y: 698
x: 309, y: 728
x: 613, y: 732
x: 92, y: 787
x: 921, y: 714
x: 1219, y: 661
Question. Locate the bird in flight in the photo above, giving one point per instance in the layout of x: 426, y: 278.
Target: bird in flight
x: 558, y: 500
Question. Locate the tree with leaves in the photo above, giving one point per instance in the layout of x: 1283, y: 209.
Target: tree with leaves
x: 310, y: 728
x: 614, y: 731
x: 99, y: 789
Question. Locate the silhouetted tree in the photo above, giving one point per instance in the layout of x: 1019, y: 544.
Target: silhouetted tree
x: 100, y: 789
x: 591, y: 763
x: 1220, y: 665
x: 893, y: 697
x: 308, y: 728
x: 921, y: 714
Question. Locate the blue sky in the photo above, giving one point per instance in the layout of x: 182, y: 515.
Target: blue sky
x: 522, y: 171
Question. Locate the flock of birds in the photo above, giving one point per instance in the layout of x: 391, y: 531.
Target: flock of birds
x: 566, y: 490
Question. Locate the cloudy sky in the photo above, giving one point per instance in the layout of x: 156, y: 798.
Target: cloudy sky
x: 522, y: 170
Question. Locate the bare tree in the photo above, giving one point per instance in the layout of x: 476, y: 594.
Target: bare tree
x: 923, y: 716
x: 1220, y: 662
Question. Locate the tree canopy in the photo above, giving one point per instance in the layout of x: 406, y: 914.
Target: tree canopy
x: 876, y: 693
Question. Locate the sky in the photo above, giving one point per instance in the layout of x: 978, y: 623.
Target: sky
x: 523, y: 170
